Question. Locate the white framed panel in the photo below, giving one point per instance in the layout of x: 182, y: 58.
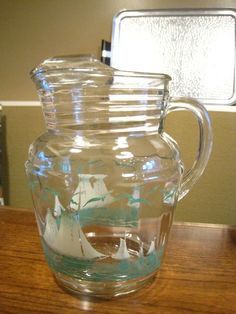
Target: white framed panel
x: 195, y: 47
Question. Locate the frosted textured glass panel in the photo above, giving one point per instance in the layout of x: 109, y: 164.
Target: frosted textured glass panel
x: 196, y: 49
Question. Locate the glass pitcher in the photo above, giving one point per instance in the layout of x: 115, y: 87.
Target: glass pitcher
x: 105, y: 177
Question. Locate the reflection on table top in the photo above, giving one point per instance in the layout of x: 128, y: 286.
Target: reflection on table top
x: 198, y: 274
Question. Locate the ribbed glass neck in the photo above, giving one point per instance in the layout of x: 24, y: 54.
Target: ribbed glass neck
x: 104, y: 116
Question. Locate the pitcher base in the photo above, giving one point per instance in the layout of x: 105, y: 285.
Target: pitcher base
x: 105, y: 290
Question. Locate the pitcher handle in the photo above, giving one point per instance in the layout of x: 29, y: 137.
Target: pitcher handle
x: 205, y: 140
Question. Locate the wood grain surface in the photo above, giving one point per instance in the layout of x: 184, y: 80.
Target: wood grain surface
x: 198, y: 274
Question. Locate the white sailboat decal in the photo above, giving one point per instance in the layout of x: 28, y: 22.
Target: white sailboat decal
x: 122, y: 252
x: 87, y: 195
x: 152, y: 247
x: 140, y: 253
x: 100, y: 189
x: 51, y: 230
x: 70, y: 239
x: 87, y: 249
x: 83, y: 192
x: 58, y: 208
x: 135, y: 196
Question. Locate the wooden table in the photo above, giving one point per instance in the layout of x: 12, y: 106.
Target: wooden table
x: 198, y: 274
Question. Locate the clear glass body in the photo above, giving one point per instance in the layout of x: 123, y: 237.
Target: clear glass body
x: 104, y: 178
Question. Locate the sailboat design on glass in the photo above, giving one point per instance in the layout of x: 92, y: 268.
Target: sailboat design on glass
x: 134, y: 202
x: 51, y: 229
x: 141, y: 253
x: 58, y: 208
x: 72, y: 241
x: 152, y: 247
x: 88, y: 195
x: 122, y: 252
x: 69, y: 238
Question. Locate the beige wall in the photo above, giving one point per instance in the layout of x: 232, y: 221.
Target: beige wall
x: 34, y: 30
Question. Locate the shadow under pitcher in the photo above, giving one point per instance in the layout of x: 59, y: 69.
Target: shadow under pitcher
x: 105, y: 177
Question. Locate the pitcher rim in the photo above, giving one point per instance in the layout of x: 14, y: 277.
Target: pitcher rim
x: 117, y: 73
